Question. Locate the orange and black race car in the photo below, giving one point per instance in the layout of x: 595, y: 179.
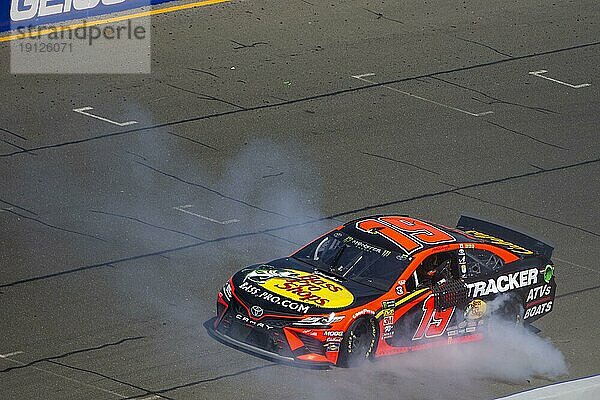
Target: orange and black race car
x: 383, y: 285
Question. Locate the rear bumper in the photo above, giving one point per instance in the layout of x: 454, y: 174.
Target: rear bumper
x: 261, y: 352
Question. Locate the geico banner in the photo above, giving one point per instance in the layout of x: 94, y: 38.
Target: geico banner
x: 16, y: 14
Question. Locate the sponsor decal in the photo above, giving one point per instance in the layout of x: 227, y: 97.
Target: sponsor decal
x: 261, y: 294
x: 387, y: 335
x: 388, y: 304
x: 388, y: 308
x: 251, y: 322
x: 462, y: 260
x: 548, y: 273
x: 28, y: 13
x: 475, y: 309
x: 22, y: 10
x: 365, y: 246
x: 388, y: 320
x: 504, y: 283
x: 386, y: 312
x: 333, y: 333
x: 332, y: 346
x: 537, y: 310
x: 538, y: 292
x: 362, y: 312
x: 227, y: 291
x: 500, y: 242
x: 320, y: 321
x: 304, y: 287
x: 256, y: 311
x: 335, y: 339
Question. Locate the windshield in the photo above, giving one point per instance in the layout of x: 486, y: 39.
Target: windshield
x: 346, y: 257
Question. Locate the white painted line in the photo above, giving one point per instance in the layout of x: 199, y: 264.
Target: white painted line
x: 543, y: 71
x: 362, y: 78
x: 577, y: 389
x: 183, y: 210
x: 84, y: 110
x: 68, y: 378
x: 154, y: 397
x: 14, y: 353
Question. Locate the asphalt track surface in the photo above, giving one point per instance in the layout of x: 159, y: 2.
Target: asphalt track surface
x: 253, y: 136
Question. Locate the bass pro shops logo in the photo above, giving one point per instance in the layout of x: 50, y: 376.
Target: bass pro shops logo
x: 23, y: 10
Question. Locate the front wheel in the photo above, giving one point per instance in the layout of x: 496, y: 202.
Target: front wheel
x: 358, y: 343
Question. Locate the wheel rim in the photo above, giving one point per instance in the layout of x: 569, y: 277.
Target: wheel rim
x: 359, y: 340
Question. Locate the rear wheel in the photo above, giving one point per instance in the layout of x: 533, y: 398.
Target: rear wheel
x: 510, y: 312
x: 358, y: 343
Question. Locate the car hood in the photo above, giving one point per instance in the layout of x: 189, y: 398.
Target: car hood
x: 292, y: 287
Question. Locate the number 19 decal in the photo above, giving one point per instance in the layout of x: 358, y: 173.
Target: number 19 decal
x: 433, y: 323
x: 407, y: 233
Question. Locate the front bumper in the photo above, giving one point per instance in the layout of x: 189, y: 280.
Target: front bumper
x: 264, y: 353
x: 273, y: 338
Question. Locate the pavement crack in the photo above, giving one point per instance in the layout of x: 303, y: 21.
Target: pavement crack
x: 245, y: 46
x: 528, y: 214
x: 13, y: 134
x: 281, y: 238
x: 136, y: 155
x: 382, y: 16
x: 39, y: 221
x: 536, y: 167
x: 208, y: 380
x: 19, y: 207
x: 146, y: 223
x: 89, y: 371
x: 400, y: 162
x: 304, y: 223
x: 304, y: 99
x: 203, y: 72
x: 27, y: 151
x: 70, y: 353
x: 578, y: 291
x: 204, y: 96
x: 216, y: 192
x: 527, y: 136
x: 272, y: 175
x: 495, y: 100
x: 484, y: 45
x: 193, y: 141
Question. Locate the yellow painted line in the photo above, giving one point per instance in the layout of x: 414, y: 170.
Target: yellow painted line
x: 404, y: 300
x: 86, y: 24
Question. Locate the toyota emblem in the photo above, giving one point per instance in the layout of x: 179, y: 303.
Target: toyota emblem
x: 256, y: 311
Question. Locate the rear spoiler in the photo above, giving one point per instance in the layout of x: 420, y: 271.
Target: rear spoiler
x: 512, y: 240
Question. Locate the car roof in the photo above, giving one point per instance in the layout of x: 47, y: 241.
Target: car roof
x: 351, y: 229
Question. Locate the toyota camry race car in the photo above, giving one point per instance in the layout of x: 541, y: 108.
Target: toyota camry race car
x: 383, y: 285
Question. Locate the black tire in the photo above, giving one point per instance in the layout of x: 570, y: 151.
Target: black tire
x: 511, y: 312
x: 358, y: 343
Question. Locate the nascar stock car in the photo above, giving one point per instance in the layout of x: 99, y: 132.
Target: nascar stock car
x: 386, y: 284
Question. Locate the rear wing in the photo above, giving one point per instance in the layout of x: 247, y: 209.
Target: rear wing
x: 510, y: 239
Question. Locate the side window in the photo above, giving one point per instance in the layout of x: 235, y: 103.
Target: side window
x: 482, y: 262
x: 411, y: 282
x: 436, y: 267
